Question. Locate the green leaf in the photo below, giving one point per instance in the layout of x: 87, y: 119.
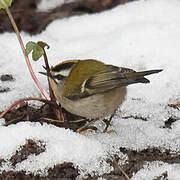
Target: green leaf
x: 29, y: 47
x: 7, y: 2
x: 36, y: 55
x: 43, y: 44
x: 37, y: 51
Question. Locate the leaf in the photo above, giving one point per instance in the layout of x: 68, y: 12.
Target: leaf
x: 52, y: 67
x: 37, y: 51
x: 7, y: 2
x: 29, y: 47
x: 36, y: 54
x: 43, y: 44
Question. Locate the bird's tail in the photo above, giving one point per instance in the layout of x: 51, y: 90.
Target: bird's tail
x: 139, y: 76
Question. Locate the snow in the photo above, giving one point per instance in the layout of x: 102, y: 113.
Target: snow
x: 60, y: 144
x: 156, y: 169
x: 141, y: 35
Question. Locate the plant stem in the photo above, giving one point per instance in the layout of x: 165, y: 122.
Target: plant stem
x: 48, y: 70
x: 58, y: 112
x: 20, y: 101
x: 120, y: 169
x: 45, y: 94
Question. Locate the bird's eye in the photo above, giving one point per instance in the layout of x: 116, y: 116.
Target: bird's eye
x: 59, y: 77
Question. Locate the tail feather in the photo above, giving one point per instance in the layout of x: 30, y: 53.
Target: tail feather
x: 143, y: 73
x: 143, y: 80
x: 139, y: 76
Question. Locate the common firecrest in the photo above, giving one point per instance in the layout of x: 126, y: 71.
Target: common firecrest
x: 92, y: 89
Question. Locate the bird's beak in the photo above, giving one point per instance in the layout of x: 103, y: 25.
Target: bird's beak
x: 47, y: 74
x: 44, y: 73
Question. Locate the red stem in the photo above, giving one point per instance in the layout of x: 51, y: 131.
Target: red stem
x: 45, y: 94
x: 20, y: 101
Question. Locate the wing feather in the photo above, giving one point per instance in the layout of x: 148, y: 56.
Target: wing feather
x: 103, y: 81
x: 115, y: 77
x: 111, y: 78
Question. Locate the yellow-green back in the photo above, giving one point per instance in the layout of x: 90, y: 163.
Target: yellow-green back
x: 81, y: 72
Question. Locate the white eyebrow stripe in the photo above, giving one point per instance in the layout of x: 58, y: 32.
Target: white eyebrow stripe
x: 64, y: 72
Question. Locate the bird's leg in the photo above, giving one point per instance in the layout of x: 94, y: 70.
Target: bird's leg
x: 108, y: 122
x: 86, y: 127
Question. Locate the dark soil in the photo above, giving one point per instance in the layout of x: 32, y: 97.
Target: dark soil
x: 3, y: 78
x: 43, y: 114
x: 6, y: 77
x: 32, y: 21
x: 4, y: 89
x: 29, y: 148
x: 64, y: 171
x: 60, y: 171
x: 170, y: 121
x: 136, y: 159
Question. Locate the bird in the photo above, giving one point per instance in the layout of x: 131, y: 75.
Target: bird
x: 92, y: 89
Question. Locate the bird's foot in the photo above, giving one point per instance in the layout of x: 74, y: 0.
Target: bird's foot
x: 86, y: 128
x: 108, y: 123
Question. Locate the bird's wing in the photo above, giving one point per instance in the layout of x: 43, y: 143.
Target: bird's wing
x: 111, y: 78
x: 114, y: 77
x: 103, y: 81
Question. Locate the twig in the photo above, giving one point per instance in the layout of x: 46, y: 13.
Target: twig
x: 120, y: 169
x: 50, y: 120
x: 58, y: 112
x: 14, y: 120
x: 135, y: 117
x: 22, y: 100
x: 78, y: 121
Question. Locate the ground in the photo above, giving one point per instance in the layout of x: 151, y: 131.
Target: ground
x: 25, y: 112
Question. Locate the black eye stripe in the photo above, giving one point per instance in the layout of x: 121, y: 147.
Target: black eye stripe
x: 60, y: 67
x: 58, y: 77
